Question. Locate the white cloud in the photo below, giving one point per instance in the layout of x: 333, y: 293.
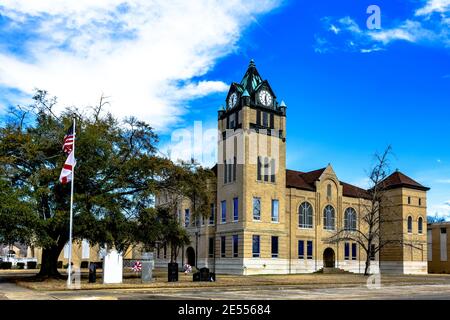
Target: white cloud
x: 371, y: 50
x: 445, y: 181
x: 143, y: 54
x: 433, y: 6
x: 411, y: 31
x: 198, y: 142
x: 350, y: 25
x: 334, y: 29
x: 422, y: 28
x: 441, y: 210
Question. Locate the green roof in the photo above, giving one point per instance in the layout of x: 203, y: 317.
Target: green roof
x: 251, y: 79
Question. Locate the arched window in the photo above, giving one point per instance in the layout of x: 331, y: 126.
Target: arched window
x: 329, y: 191
x: 328, y: 218
x: 420, y: 225
x: 305, y: 215
x: 350, y: 219
x: 409, y: 224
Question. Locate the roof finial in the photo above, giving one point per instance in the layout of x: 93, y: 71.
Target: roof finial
x: 252, y: 63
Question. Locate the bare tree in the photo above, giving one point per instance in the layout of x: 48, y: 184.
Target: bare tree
x: 371, y: 229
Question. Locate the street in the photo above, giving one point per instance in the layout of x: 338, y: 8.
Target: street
x: 435, y: 291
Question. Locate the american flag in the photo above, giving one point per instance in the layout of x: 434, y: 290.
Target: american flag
x: 69, y: 138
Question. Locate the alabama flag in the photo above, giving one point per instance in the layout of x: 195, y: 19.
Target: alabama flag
x: 67, y: 170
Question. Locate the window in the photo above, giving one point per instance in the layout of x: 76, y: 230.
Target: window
x: 309, y: 249
x: 420, y: 225
x: 224, y: 211
x: 305, y: 215
x: 165, y: 251
x: 212, y: 214
x: 259, y: 176
x: 274, y: 247
x: 265, y: 120
x: 301, y: 249
x: 225, y: 171
x: 258, y: 117
x: 255, y: 246
x: 409, y: 200
x: 257, y: 209
x: 443, y: 244
x: 232, y: 118
x: 223, y: 246
x: 347, y: 251
x: 235, y: 209
x: 272, y: 170
x: 420, y: 201
x: 328, y: 218
x: 235, y: 246
x: 329, y: 194
x: 272, y: 122
x: 211, y: 248
x: 354, y: 251
x: 230, y: 171
x: 350, y: 219
x: 186, y: 217
x: 275, y: 210
x: 266, y: 169
x: 430, y: 244
x: 409, y: 224
x: 372, y: 252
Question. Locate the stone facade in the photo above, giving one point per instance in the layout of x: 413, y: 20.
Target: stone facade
x: 438, y: 247
x: 269, y: 220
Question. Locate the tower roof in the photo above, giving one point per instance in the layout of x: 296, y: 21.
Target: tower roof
x: 251, y: 79
x: 400, y: 180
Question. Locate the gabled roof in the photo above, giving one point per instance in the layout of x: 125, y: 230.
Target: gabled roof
x: 349, y: 190
x: 295, y: 179
x: 251, y: 79
x: 400, y: 180
x: 306, y: 181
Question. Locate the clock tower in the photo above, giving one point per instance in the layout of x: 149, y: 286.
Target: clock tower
x: 252, y: 225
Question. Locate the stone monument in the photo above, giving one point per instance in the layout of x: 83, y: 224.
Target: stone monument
x: 147, y: 266
x: 112, y: 267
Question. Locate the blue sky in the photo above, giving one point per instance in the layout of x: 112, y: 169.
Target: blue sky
x: 350, y: 91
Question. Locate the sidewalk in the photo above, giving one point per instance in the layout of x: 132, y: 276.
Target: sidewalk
x: 11, y: 291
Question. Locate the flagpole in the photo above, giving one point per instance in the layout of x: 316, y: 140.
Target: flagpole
x: 69, y: 278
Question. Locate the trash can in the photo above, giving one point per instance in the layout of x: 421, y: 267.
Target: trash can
x: 172, y: 272
x: 92, y: 272
x: 196, y: 276
x: 204, y: 274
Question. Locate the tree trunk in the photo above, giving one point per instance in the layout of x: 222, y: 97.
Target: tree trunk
x: 366, y: 270
x: 49, y: 263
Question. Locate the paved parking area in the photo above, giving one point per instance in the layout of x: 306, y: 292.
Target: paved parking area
x: 437, y: 290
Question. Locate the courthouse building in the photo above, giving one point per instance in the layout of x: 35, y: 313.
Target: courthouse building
x: 266, y: 219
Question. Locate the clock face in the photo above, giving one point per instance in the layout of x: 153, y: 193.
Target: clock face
x: 232, y: 100
x: 265, y: 98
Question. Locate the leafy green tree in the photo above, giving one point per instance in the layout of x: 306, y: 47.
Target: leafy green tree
x: 117, y: 176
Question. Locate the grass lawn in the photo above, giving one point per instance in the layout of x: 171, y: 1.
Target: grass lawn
x: 132, y: 281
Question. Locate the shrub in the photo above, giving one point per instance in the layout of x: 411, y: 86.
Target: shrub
x: 5, y: 265
x: 20, y: 265
x: 84, y: 264
x: 60, y: 264
x: 31, y: 264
